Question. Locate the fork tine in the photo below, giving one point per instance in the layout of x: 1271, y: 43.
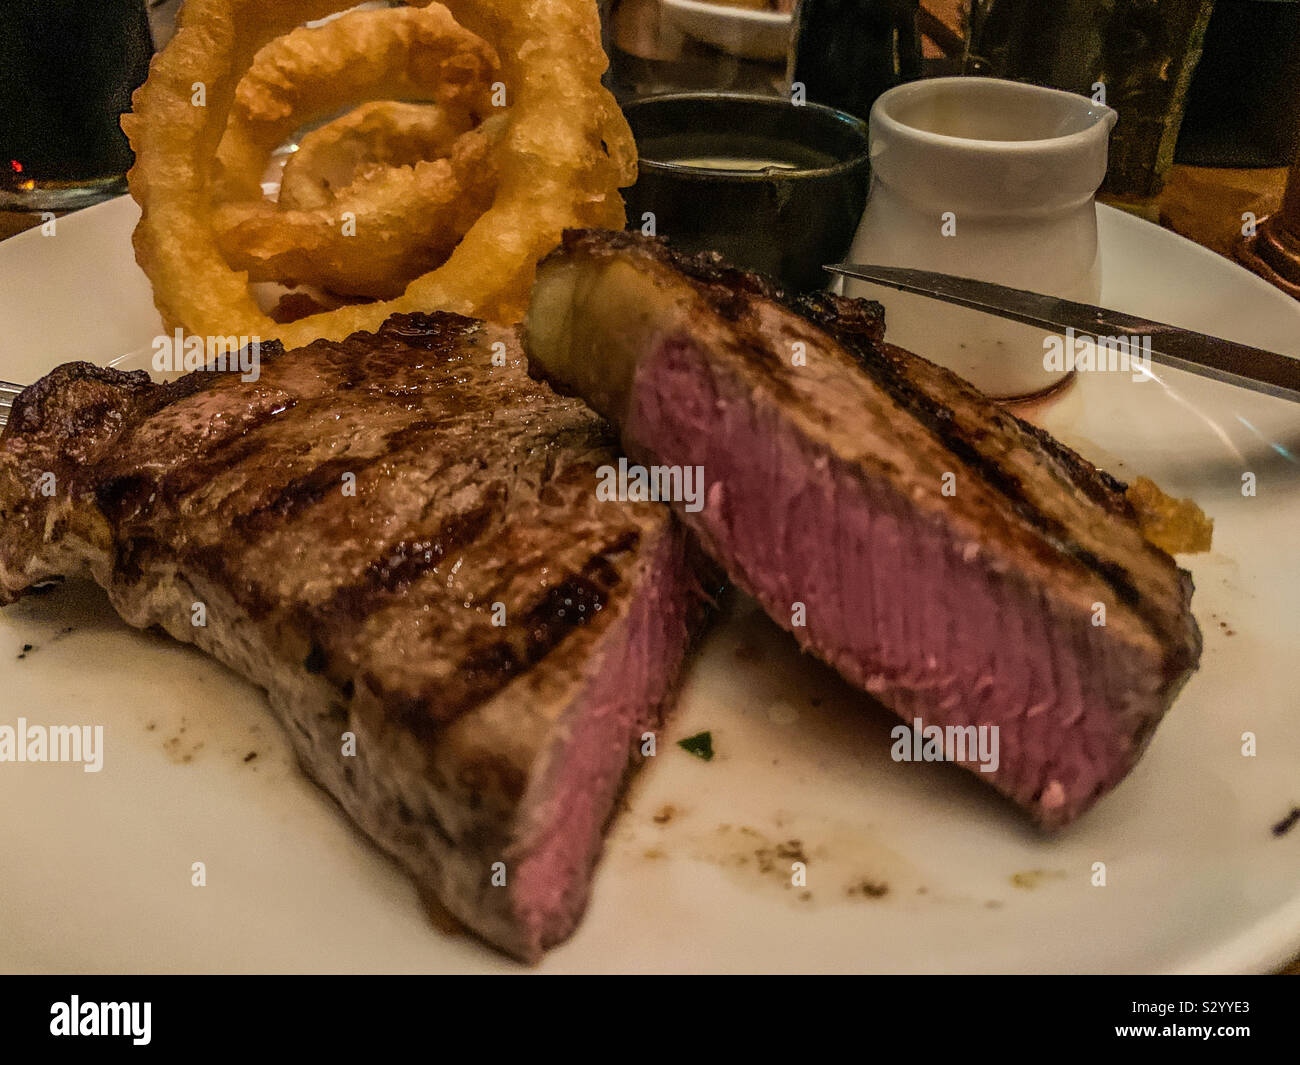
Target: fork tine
x: 8, y: 393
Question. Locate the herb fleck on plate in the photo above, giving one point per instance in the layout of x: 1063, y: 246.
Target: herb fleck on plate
x: 700, y: 745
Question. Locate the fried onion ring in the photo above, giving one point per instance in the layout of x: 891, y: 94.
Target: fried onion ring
x: 310, y: 74
x: 564, y: 153
x: 382, y: 132
x: 437, y: 201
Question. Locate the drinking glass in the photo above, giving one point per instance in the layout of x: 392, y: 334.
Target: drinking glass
x: 67, y: 71
x: 1135, y: 56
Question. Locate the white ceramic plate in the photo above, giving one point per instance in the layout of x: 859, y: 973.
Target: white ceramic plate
x: 737, y: 30
x: 96, y: 868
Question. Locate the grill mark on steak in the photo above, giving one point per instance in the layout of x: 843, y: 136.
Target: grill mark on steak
x: 310, y: 488
x: 938, y: 418
x: 396, y: 567
x: 371, y: 614
x: 137, y: 494
x: 573, y: 601
x: 413, y: 558
x: 298, y: 495
x: 859, y: 326
x: 400, y: 565
x: 233, y: 442
x: 823, y: 486
x: 126, y: 497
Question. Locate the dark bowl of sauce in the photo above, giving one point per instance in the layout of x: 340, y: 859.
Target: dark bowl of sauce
x: 774, y: 186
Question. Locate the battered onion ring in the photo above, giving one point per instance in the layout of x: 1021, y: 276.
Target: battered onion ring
x: 404, y: 220
x: 311, y: 74
x: 565, y: 152
x: 374, y: 239
x: 382, y: 132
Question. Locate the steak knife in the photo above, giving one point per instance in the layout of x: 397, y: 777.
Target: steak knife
x: 1183, y: 349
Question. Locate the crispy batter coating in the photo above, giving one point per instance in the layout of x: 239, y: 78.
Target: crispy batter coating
x: 563, y: 154
x: 379, y: 133
x: 311, y: 74
x: 1177, y: 526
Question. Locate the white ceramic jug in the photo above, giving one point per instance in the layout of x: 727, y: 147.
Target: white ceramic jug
x: 988, y: 179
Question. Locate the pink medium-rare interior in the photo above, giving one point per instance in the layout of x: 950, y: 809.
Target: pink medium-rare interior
x: 892, y: 600
x: 623, y: 697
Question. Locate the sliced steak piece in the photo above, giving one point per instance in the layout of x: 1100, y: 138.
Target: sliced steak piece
x: 401, y: 541
x: 943, y: 555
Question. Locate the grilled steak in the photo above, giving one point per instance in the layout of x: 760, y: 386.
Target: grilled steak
x: 399, y: 541
x: 943, y: 555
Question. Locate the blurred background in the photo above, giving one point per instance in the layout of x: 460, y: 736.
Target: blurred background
x: 1207, y: 91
